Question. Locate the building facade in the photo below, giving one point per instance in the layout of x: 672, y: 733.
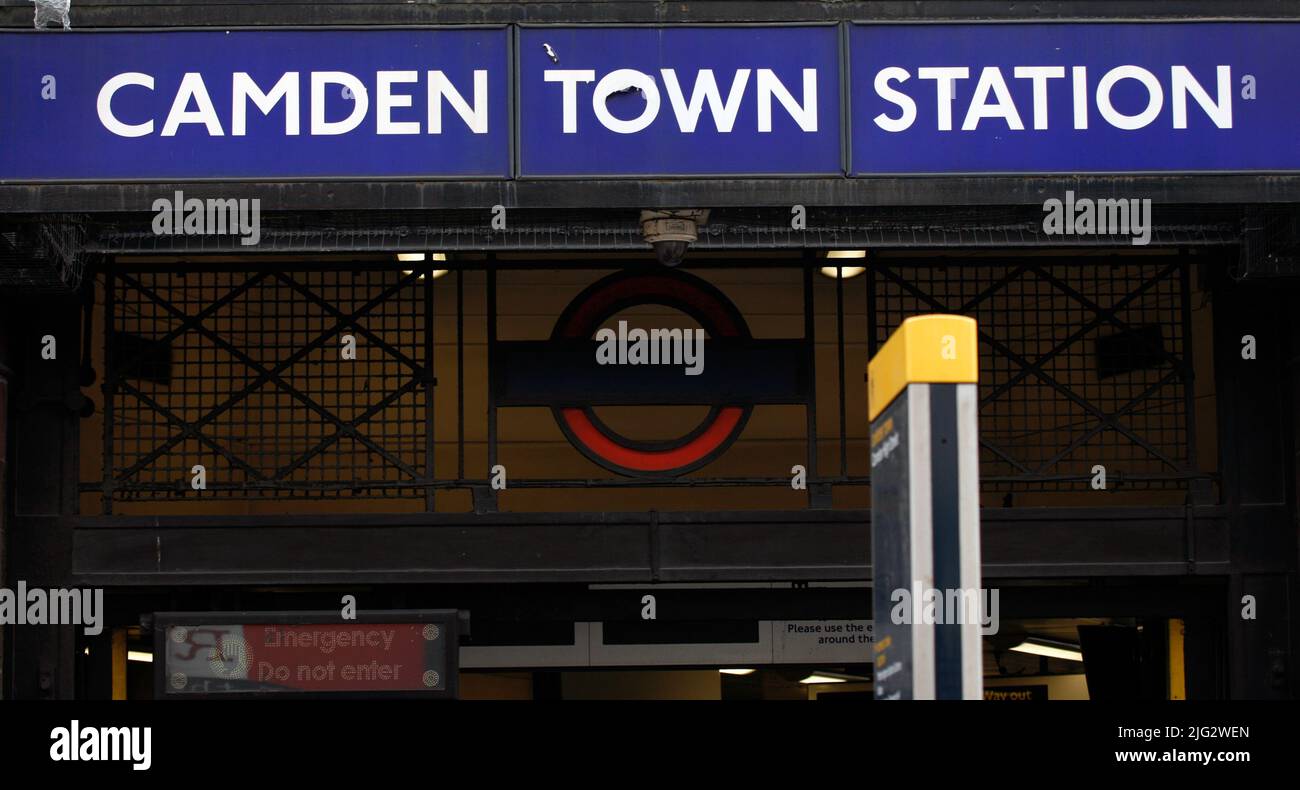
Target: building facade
x: 372, y: 377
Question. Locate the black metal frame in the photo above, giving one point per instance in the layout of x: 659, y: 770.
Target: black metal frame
x: 116, y: 380
x: 414, y: 475
x: 615, y: 547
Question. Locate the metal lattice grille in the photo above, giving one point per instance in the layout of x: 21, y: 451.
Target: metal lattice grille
x: 1080, y: 366
x: 239, y: 372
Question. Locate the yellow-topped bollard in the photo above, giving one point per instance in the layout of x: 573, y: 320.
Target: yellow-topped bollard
x: 926, y: 349
x: 928, y: 606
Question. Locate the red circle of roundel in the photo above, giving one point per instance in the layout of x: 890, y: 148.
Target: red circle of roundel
x: 719, y: 318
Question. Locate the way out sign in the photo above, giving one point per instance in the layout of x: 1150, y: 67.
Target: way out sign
x: 922, y: 402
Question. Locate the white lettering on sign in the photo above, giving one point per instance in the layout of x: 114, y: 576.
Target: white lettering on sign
x: 628, y: 101
x: 991, y: 100
x: 643, y: 88
x: 394, y: 112
x: 885, y: 449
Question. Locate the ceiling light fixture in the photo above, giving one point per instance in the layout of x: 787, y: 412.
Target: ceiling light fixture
x: 415, y: 257
x: 818, y: 678
x: 436, y: 273
x: 843, y: 272
x: 1049, y: 648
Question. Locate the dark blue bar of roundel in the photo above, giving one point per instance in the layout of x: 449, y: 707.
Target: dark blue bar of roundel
x: 734, y: 372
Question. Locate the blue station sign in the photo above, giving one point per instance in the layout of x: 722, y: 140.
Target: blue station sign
x: 254, y: 104
x: 679, y: 101
x: 811, y: 101
x: 1074, y: 98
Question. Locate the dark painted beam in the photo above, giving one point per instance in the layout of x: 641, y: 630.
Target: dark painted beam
x: 827, y: 545
x: 639, y: 194
x: 569, y: 603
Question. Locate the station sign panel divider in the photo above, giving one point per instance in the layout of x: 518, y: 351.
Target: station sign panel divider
x: 395, y: 653
x: 923, y: 400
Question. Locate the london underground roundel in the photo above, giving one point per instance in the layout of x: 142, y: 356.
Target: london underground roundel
x: 667, y: 457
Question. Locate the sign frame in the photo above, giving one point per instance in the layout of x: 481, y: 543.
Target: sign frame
x: 512, y: 137
x: 454, y: 622
x: 841, y: 125
x: 847, y: 108
x: 510, y: 106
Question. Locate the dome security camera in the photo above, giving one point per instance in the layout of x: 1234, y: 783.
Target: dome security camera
x: 670, y: 232
x: 670, y: 253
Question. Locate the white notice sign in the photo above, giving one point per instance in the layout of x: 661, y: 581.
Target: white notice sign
x: 821, y: 641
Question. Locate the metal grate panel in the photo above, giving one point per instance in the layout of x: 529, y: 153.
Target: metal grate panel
x: 238, y: 371
x: 1080, y: 366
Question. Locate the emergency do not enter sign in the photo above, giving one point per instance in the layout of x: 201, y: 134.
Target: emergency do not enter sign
x: 376, y: 655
